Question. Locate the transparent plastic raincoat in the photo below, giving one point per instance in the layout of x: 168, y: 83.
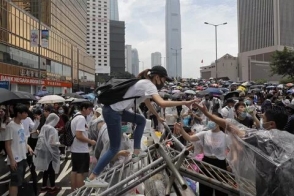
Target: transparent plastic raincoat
x: 262, y: 160
x: 47, y: 148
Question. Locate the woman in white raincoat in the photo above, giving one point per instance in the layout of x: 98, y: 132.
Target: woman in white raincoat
x: 47, y: 153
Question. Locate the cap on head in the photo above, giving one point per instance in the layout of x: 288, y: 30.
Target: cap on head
x: 161, y: 71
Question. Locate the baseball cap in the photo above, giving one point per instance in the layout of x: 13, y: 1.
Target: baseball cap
x: 160, y: 71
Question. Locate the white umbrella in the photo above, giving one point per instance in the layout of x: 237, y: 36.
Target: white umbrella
x: 280, y: 86
x: 190, y: 92
x: 51, y: 99
x: 70, y: 99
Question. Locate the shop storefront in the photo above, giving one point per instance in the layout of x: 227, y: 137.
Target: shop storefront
x: 33, y: 85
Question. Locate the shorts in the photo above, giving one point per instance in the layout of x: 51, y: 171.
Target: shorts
x: 17, y: 176
x: 80, y: 162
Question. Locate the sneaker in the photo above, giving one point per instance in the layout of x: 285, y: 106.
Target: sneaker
x: 136, y: 158
x: 62, y: 156
x: 96, y: 183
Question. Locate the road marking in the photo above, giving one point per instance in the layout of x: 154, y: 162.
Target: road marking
x: 65, y: 171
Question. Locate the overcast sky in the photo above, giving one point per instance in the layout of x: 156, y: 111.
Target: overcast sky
x: 145, y: 30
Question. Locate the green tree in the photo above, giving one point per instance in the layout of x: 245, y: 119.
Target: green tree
x: 260, y: 81
x: 123, y: 75
x: 283, y: 63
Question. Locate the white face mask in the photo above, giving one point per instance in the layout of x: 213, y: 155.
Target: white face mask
x: 60, y: 111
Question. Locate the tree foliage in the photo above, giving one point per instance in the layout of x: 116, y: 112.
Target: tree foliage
x: 123, y: 75
x: 283, y: 63
x: 260, y: 81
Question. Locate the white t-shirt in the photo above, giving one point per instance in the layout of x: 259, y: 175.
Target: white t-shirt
x: 143, y: 88
x: 214, y: 143
x: 79, y: 124
x: 228, y: 112
x: 15, y: 133
x: 28, y: 124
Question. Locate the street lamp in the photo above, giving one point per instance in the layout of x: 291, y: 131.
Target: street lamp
x: 215, y: 26
x: 176, y: 59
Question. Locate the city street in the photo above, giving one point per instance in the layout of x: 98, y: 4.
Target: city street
x: 62, y: 179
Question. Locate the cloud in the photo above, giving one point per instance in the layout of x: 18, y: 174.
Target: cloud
x: 145, y: 30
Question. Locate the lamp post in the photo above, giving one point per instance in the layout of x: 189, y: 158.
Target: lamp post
x: 176, y: 59
x: 215, y: 26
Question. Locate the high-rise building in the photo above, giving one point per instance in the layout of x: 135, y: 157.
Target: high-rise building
x: 114, y: 15
x: 263, y: 27
x: 155, y: 59
x: 60, y: 62
x: 117, y: 47
x: 173, y: 38
x: 128, y: 58
x: 98, y: 34
x: 135, y: 62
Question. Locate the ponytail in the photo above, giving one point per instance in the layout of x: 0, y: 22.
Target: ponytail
x: 144, y: 74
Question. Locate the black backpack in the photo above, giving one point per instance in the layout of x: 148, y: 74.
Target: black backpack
x: 67, y: 137
x: 110, y: 94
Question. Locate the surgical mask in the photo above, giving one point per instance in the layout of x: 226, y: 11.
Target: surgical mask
x: 243, y: 115
x: 248, y: 102
x: 124, y: 128
x: 60, y: 111
x: 211, y: 125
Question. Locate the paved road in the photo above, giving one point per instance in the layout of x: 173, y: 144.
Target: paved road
x: 62, y: 179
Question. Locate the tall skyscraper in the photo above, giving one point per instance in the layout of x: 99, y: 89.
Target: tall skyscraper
x: 114, y: 15
x: 135, y: 62
x: 128, y: 58
x: 98, y: 34
x: 155, y: 59
x: 173, y: 38
x: 264, y: 26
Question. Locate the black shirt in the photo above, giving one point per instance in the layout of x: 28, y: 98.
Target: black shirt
x: 248, y: 121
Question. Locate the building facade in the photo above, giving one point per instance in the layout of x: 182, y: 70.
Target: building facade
x: 98, y: 14
x: 117, y: 47
x: 155, y: 59
x: 49, y: 54
x: 135, y: 62
x: 263, y: 28
x: 128, y: 58
x: 114, y: 14
x: 173, y: 38
x: 227, y: 68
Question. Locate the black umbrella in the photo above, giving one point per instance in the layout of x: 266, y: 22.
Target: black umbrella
x: 79, y: 100
x: 9, y: 97
x: 232, y: 94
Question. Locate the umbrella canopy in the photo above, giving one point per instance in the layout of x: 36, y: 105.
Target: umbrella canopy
x: 176, y: 91
x: 269, y: 87
x: 190, y: 92
x: 280, y: 86
x: 231, y: 94
x: 164, y: 95
x: 90, y: 96
x: 73, y: 95
x: 246, y: 84
x: 163, y: 90
x: 51, y: 99
x: 79, y: 101
x: 80, y: 93
x: 215, y: 91
x: 9, y: 97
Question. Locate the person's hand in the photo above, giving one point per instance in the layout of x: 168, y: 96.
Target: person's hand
x: 202, y: 108
x: 124, y: 153
x: 178, y: 128
x: 31, y: 152
x: 161, y: 120
x: 190, y: 103
x: 93, y: 142
x: 13, y: 165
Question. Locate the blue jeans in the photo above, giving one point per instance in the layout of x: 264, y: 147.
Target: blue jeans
x: 113, y: 121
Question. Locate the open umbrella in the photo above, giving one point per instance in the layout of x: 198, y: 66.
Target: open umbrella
x: 9, y: 97
x: 79, y: 101
x: 73, y: 95
x: 215, y: 91
x: 190, y: 92
x: 51, y: 99
x: 175, y: 91
x: 289, y: 84
x: 231, y: 94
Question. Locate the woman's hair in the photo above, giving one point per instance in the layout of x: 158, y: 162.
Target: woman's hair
x: 144, y: 74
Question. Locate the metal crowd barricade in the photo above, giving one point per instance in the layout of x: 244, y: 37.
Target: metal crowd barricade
x: 164, y: 159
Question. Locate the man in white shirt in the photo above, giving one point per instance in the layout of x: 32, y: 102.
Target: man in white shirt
x: 228, y: 110
x: 16, y: 147
x: 79, y: 148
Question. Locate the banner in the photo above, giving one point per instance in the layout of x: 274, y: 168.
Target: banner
x: 45, y: 38
x: 34, y: 38
x: 5, y: 84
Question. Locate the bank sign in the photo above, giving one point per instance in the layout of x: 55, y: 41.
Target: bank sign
x: 21, y: 80
x: 5, y: 84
